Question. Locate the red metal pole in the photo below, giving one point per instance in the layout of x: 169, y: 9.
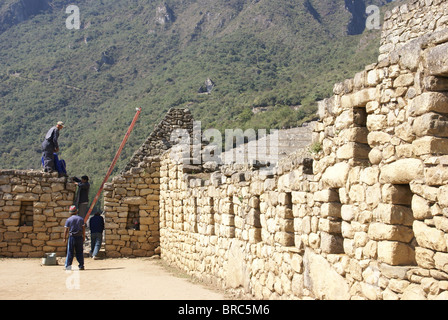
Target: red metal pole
x: 111, y: 168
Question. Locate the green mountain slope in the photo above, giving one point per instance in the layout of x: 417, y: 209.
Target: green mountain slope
x: 131, y: 53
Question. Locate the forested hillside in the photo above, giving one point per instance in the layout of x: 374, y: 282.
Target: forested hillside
x: 281, y: 55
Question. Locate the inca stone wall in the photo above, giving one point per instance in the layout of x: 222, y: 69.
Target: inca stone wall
x: 160, y: 139
x: 410, y: 21
x: 131, y: 200
x: 33, y: 210
x: 370, y: 222
x: 365, y: 216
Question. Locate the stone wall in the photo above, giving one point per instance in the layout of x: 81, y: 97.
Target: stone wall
x: 410, y: 21
x: 131, y: 199
x: 365, y: 216
x: 160, y: 139
x: 370, y: 222
x: 33, y: 210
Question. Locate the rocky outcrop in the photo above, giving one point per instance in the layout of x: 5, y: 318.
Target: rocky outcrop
x: 164, y: 15
x: 19, y: 11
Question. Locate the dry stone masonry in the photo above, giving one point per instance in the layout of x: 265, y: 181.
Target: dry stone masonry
x: 362, y: 213
x: 410, y: 21
x: 131, y: 200
x: 33, y: 210
x: 370, y: 222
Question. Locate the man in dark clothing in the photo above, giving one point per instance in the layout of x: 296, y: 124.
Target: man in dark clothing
x: 50, y: 145
x: 75, y: 231
x: 82, y: 196
x: 96, y: 224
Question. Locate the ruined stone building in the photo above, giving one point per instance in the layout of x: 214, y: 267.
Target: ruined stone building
x: 362, y: 216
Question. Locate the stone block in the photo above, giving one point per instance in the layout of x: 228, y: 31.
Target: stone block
x: 330, y: 226
x: 348, y: 212
x: 436, y: 176
x: 9, y: 236
x: 362, y: 97
x: 353, y: 150
x: 11, y: 208
x: 6, y: 188
x: 328, y: 195
x: 376, y: 122
x: 402, y: 171
x: 253, y: 218
x: 299, y: 197
x: 436, y: 60
x: 424, y: 258
x: 357, y: 134
x: 441, y: 261
x: 57, y: 243
x: 441, y: 223
x: 404, y: 80
x: 331, y: 209
x: 431, y: 124
x: 378, y: 138
x: 336, y: 176
x: 395, y: 253
x: 18, y: 189
x: 27, y: 197
x: 332, y: 286
x: 375, y: 156
x: 284, y: 238
x: 442, y: 195
x: 55, y: 187
x: 381, y: 231
x: 286, y: 225
x: 428, y: 102
x: 428, y: 237
x: 421, y: 208
x: 331, y: 244
x: 430, y: 145
x: 394, y: 214
x: 134, y: 200
x: 11, y: 222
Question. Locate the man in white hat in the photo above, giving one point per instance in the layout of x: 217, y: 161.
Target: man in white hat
x: 75, y: 233
x: 50, y: 145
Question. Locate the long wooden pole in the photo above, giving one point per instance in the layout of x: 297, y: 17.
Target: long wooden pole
x: 111, y: 168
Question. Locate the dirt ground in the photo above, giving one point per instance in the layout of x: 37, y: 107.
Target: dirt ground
x: 108, y: 279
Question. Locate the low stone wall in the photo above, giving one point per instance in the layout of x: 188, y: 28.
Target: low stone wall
x: 33, y: 210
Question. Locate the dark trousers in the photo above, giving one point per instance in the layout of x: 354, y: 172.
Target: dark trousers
x: 75, y: 248
x: 48, y: 156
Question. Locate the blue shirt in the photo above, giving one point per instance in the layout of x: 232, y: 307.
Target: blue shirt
x: 75, y: 224
x: 96, y: 224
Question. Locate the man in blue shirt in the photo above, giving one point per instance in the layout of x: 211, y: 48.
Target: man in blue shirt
x: 50, y: 145
x: 75, y: 231
x: 96, y: 224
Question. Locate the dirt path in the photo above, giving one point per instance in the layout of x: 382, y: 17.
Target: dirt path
x: 111, y: 279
